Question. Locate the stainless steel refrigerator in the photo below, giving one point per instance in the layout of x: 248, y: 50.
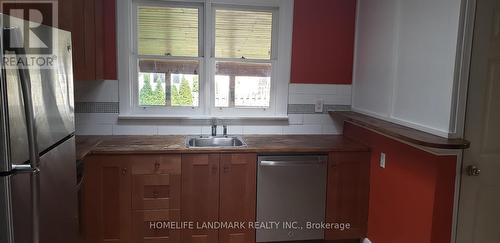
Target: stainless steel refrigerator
x: 38, y: 194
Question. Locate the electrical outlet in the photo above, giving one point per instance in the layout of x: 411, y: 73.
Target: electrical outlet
x: 318, y: 107
x: 382, y: 160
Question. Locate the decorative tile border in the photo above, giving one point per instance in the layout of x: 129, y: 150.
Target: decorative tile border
x: 97, y: 107
x: 114, y: 107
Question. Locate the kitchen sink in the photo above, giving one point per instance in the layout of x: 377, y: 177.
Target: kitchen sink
x: 215, y: 142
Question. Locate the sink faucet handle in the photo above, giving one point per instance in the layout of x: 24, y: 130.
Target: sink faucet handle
x: 214, y: 130
x: 224, y: 130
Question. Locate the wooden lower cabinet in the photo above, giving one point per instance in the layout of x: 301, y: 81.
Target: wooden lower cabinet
x: 218, y: 188
x: 347, y: 194
x: 156, y: 196
x: 125, y: 195
x: 200, y: 196
x: 238, y: 195
x: 107, y: 204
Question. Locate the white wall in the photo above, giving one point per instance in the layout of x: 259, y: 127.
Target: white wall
x: 405, y: 59
x: 299, y: 94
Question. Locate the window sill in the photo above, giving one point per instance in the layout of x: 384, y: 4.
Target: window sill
x: 200, y: 118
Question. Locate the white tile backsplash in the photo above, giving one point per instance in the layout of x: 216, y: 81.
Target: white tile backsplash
x: 134, y: 130
x: 234, y: 130
x: 302, y: 129
x: 179, y: 130
x: 93, y: 129
x: 295, y: 119
x: 318, y: 119
x: 263, y: 130
x: 107, y: 124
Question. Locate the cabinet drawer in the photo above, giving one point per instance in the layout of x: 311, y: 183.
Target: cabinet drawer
x: 151, y: 226
x: 157, y: 191
x: 156, y: 164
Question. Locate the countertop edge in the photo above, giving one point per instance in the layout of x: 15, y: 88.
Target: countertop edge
x: 93, y: 145
x: 401, y: 132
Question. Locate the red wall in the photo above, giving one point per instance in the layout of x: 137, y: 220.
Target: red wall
x: 323, y: 41
x: 411, y: 200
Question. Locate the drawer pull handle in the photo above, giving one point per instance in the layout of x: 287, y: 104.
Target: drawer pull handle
x: 124, y: 171
x: 157, y: 166
x: 156, y: 194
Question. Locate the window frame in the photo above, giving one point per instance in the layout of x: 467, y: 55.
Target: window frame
x: 127, y: 27
x: 247, y: 111
x: 135, y: 56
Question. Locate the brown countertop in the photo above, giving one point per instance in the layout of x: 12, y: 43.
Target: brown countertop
x: 255, y: 143
x: 85, y: 144
x: 397, y: 131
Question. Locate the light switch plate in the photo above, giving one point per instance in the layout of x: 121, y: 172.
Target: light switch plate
x: 318, y: 107
x: 382, y: 160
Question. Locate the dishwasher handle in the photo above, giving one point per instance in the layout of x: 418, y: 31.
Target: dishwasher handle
x: 292, y: 163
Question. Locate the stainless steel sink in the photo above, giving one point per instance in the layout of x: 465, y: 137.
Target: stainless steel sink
x: 214, y: 142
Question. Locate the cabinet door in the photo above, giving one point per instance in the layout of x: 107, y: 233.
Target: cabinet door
x: 83, y: 39
x: 238, y: 187
x: 107, y: 199
x: 93, y: 30
x: 347, y: 194
x: 200, y: 195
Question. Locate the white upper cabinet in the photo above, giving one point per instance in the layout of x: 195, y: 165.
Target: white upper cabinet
x: 406, y: 62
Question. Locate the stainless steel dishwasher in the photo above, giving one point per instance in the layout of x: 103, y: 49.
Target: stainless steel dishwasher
x: 291, y: 190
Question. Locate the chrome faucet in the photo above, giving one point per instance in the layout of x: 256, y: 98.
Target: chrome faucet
x: 214, y: 130
x: 214, y: 127
x: 224, y: 130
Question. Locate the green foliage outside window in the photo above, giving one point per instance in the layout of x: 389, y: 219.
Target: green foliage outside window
x: 185, y: 95
x: 159, y: 93
x: 196, y: 85
x: 181, y: 95
x: 175, y: 95
x: 148, y: 96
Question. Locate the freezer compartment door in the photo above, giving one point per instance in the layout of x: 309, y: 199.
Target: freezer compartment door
x: 58, y: 198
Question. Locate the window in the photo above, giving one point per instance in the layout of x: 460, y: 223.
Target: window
x: 204, y: 58
x: 168, y: 53
x: 243, y: 53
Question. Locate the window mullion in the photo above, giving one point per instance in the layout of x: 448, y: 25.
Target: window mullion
x: 209, y: 72
x: 232, y: 95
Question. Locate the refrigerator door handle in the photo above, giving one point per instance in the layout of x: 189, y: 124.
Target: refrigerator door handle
x: 34, y: 156
x: 13, y: 34
x: 30, y: 124
x: 29, y: 114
